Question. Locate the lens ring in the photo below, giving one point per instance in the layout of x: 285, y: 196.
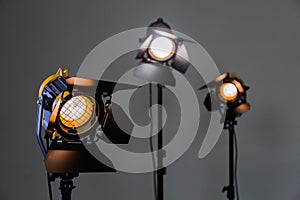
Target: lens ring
x: 228, y: 92
x: 161, y: 48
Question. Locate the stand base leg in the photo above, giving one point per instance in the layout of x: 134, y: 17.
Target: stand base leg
x: 230, y: 192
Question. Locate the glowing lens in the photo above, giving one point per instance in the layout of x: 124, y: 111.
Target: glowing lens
x: 76, y: 112
x: 161, y: 48
x: 228, y: 92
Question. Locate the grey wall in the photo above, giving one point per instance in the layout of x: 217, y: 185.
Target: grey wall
x: 257, y: 39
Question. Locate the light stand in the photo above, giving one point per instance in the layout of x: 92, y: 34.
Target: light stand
x: 161, y: 50
x: 229, y: 124
x: 228, y: 92
x: 162, y: 171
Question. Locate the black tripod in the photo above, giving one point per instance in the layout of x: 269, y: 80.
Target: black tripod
x: 230, y: 122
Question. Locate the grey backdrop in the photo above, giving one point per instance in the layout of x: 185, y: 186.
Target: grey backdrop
x: 257, y: 39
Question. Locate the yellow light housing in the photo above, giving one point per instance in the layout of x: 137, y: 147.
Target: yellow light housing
x: 228, y: 92
x: 162, y: 48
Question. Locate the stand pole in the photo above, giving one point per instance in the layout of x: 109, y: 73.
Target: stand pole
x: 161, y: 169
x: 230, y: 189
x: 66, y: 187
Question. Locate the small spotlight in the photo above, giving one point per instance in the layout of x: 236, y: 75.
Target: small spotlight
x: 227, y: 90
x: 160, y: 51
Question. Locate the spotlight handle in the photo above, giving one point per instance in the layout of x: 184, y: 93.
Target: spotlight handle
x: 40, y: 103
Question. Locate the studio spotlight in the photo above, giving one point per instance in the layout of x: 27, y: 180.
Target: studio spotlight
x: 227, y: 94
x: 161, y: 50
x: 71, y: 110
x: 227, y: 91
x: 65, y: 114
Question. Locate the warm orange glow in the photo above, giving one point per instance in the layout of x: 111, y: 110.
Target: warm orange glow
x: 221, y: 77
x: 228, y: 92
x: 76, y: 112
x: 242, y: 108
x: 56, y: 105
x: 81, y: 81
x: 238, y: 85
